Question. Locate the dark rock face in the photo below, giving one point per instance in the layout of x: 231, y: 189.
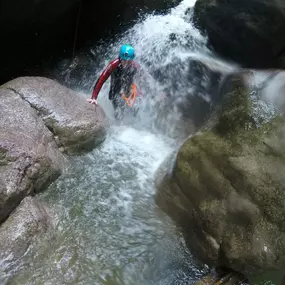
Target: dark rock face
x: 250, y: 32
x: 36, y: 32
x: 192, y: 89
x: 226, y: 189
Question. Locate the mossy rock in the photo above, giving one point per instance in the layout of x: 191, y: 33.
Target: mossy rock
x: 227, y: 187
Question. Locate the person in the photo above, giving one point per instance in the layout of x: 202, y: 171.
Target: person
x: 122, y: 71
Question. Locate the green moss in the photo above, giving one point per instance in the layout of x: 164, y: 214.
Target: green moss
x: 235, y: 161
x: 235, y: 114
x: 50, y: 122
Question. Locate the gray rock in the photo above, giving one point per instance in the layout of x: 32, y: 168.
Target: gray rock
x: 76, y: 125
x: 24, y: 226
x: 29, y: 157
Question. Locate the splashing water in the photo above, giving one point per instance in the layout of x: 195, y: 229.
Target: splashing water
x: 108, y: 228
x: 164, y: 44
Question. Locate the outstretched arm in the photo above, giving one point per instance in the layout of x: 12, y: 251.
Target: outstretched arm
x: 101, y: 80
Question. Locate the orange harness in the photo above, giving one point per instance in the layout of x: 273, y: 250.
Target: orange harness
x: 132, y: 98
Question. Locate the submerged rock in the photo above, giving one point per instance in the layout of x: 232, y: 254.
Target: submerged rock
x: 227, y: 186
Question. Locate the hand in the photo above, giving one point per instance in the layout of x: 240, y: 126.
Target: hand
x: 92, y: 101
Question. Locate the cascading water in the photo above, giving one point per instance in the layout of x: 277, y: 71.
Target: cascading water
x: 108, y: 228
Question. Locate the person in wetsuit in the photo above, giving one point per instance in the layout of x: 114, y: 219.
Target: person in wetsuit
x: 122, y: 71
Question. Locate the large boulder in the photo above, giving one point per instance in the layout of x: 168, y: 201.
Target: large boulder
x: 76, y: 125
x: 226, y: 189
x: 40, y: 120
x: 22, y: 229
x: 29, y: 157
x: 249, y: 32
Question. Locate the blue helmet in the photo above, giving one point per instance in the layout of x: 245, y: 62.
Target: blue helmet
x: 127, y: 52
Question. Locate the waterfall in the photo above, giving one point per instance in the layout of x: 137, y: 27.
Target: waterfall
x: 108, y: 227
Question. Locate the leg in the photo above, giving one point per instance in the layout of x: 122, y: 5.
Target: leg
x: 118, y: 107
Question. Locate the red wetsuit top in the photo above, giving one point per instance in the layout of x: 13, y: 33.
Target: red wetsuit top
x: 121, y: 77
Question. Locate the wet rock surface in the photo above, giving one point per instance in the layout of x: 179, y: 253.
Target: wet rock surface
x: 29, y: 157
x: 24, y: 226
x: 40, y: 119
x: 227, y: 184
x: 249, y: 32
x: 76, y: 125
